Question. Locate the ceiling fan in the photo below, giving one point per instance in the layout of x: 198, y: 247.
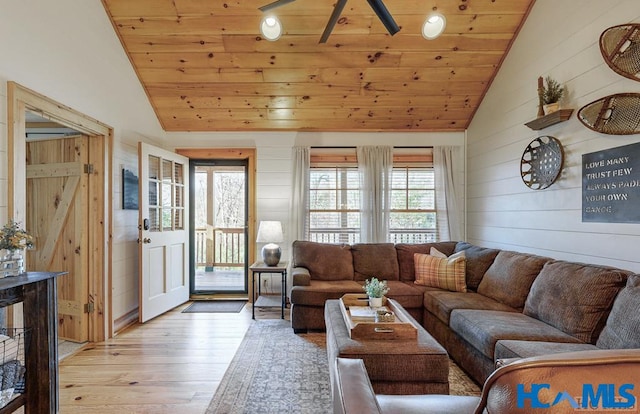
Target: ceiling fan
x: 377, y: 5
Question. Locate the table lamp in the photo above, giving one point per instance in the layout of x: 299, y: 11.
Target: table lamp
x: 270, y: 232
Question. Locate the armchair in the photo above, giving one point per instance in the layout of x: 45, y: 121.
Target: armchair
x: 558, y: 383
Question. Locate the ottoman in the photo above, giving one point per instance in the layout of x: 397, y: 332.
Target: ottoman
x: 416, y: 366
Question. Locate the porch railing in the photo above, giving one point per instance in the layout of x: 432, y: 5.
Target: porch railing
x: 220, y: 246
x: 351, y: 236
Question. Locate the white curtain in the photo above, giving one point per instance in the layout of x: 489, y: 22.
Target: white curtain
x: 375, y: 164
x: 445, y: 161
x: 299, y: 204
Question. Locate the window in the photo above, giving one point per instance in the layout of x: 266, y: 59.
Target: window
x: 413, y: 210
x: 334, y: 197
x: 334, y: 205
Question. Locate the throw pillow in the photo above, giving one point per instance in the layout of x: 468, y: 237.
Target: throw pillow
x: 437, y: 253
x: 445, y: 273
x: 623, y: 325
x: 478, y: 261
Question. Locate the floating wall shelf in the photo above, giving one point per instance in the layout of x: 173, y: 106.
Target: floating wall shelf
x: 551, y: 119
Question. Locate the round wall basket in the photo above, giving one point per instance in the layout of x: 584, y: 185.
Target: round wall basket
x: 541, y: 162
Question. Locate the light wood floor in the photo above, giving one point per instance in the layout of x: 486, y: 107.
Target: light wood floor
x: 170, y: 365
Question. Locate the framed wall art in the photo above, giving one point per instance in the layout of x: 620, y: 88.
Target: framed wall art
x: 129, y: 190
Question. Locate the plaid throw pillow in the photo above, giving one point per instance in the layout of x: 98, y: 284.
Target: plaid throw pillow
x: 445, y: 273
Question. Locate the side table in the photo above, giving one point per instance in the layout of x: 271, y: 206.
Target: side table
x: 261, y: 301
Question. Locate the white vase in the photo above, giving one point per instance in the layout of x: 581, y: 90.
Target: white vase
x: 551, y: 108
x: 375, y: 302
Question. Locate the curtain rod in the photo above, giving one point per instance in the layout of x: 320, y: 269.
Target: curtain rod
x: 355, y: 146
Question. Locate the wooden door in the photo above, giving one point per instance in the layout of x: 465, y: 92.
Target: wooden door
x: 57, y: 216
x: 164, y: 232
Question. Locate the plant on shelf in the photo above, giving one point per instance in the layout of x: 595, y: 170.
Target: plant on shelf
x: 551, y: 95
x: 12, y: 237
x: 376, y: 290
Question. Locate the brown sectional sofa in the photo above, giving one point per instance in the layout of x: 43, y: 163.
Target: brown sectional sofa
x: 517, y: 304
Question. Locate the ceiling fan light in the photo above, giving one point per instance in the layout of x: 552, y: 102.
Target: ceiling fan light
x: 433, y: 26
x: 271, y: 28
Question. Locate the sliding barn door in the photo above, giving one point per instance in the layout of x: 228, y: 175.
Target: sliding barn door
x: 57, y: 216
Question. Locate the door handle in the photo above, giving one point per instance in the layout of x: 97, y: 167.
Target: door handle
x: 146, y: 240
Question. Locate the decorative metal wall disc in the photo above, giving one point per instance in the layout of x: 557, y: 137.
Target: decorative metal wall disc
x: 620, y: 47
x: 617, y: 114
x: 541, y: 162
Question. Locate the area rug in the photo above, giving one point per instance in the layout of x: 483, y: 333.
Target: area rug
x: 215, y: 306
x: 277, y: 371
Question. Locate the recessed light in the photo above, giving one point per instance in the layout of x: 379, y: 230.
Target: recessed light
x: 433, y: 26
x: 271, y: 28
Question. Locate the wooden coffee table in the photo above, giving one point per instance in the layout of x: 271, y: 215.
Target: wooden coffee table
x: 413, y: 365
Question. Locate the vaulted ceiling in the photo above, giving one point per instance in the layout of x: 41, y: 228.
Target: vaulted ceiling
x: 205, y: 66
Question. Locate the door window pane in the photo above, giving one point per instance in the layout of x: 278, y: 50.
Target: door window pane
x: 154, y: 167
x: 154, y: 219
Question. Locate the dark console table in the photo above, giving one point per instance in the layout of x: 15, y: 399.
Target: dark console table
x: 37, y: 292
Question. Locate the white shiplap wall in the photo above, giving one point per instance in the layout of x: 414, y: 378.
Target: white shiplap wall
x: 560, y: 38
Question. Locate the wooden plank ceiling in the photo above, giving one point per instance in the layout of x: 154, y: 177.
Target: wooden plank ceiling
x: 205, y: 66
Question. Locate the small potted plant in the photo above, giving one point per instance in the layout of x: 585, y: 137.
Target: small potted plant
x: 376, y: 290
x: 551, y: 95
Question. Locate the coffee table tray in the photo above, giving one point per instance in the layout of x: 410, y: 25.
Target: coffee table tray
x: 367, y: 328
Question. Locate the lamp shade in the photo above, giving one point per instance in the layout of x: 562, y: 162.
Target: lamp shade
x: 270, y: 232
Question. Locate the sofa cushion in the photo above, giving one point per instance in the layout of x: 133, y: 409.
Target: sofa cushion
x: 478, y: 261
x: 406, y: 294
x: 321, y: 290
x: 375, y: 260
x: 511, y: 348
x: 441, y: 303
x: 442, y: 272
x: 623, y: 324
x: 574, y: 297
x: 324, y: 261
x: 510, y: 276
x: 405, y: 256
x: 483, y: 328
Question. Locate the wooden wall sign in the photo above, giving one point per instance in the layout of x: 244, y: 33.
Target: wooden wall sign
x: 611, y: 185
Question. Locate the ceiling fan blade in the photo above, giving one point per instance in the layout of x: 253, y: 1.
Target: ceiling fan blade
x: 273, y: 5
x: 337, y: 11
x: 384, y: 16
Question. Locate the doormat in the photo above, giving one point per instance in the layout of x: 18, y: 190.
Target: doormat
x: 215, y: 306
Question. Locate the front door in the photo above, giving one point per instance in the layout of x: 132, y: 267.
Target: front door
x: 163, y: 236
x: 219, y: 193
x: 58, y: 218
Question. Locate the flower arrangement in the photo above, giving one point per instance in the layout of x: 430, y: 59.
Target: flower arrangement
x: 12, y: 237
x: 375, y: 288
